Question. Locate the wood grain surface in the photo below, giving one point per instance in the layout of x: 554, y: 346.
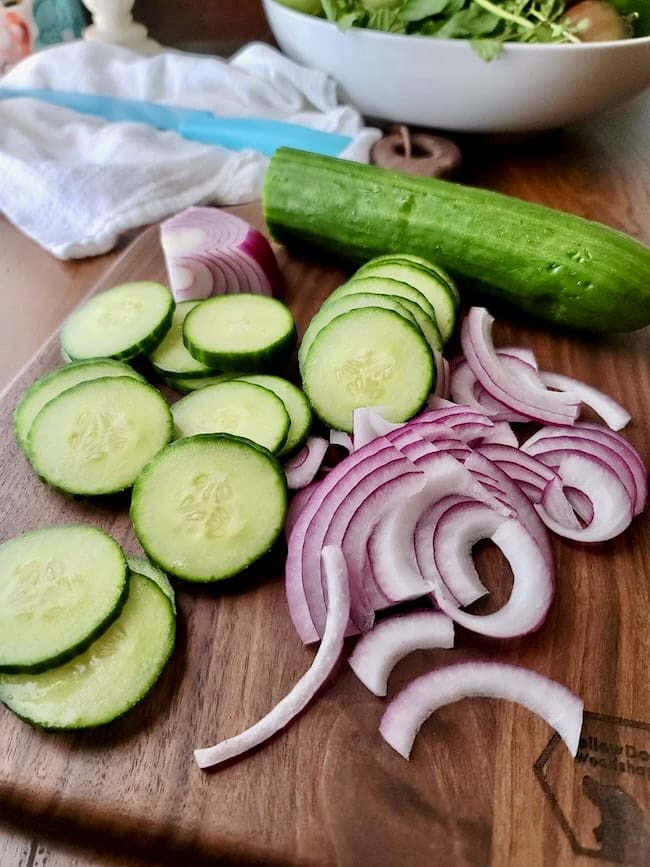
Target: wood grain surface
x: 329, y: 791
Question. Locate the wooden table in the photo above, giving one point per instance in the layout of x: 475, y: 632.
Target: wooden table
x: 600, y: 170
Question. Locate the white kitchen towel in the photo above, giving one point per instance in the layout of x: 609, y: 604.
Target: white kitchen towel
x: 75, y: 183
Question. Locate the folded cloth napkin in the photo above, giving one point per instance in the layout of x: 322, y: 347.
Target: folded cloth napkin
x: 75, y: 183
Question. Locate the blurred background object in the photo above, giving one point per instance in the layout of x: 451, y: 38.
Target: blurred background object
x: 204, y: 25
x: 113, y: 23
x: 57, y: 21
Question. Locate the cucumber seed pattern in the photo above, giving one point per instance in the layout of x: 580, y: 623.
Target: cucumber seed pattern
x: 99, y: 434
x: 365, y: 373
x: 208, y: 508
x: 39, y: 586
x: 113, y: 314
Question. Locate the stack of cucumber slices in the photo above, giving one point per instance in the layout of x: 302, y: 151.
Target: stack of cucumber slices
x: 209, y: 494
x: 84, y: 632
x: 374, y: 340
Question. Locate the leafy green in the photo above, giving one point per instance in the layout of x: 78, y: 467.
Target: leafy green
x: 487, y: 24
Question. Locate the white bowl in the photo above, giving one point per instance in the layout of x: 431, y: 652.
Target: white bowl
x: 442, y: 83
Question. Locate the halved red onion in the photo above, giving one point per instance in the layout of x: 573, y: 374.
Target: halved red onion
x: 612, y: 413
x: 301, y: 469
x: 406, y: 713
x: 340, y: 438
x: 338, y: 609
x: 209, y: 252
x: 377, y: 652
x: 520, y: 392
x: 612, y: 506
x: 368, y: 423
x: 533, y: 585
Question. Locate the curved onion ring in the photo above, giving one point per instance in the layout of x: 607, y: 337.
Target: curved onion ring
x: 423, y: 696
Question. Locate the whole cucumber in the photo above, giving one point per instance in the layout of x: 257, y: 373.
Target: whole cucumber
x: 553, y: 266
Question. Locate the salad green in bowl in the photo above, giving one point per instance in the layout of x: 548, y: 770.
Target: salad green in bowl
x: 424, y: 62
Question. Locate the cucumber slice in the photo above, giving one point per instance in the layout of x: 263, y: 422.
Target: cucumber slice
x: 426, y: 281
x: 95, y: 438
x: 234, y: 407
x: 122, y: 322
x: 333, y: 308
x: 415, y: 301
x: 110, y: 677
x: 185, y: 385
x: 296, y: 405
x: 60, y: 587
x: 53, y: 384
x: 368, y: 357
x: 142, y: 566
x: 170, y: 357
x: 209, y: 506
x: 247, y: 333
x: 423, y: 263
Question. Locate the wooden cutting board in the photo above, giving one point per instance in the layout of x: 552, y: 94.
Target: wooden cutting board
x: 487, y: 783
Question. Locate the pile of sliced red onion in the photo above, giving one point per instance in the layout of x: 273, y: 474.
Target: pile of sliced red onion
x: 403, y: 510
x: 211, y: 252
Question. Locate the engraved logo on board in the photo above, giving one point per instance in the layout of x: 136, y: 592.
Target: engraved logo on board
x: 602, y: 797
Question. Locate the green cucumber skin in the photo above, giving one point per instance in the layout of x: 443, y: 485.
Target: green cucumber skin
x: 84, y: 644
x: 553, y: 266
x: 261, y: 361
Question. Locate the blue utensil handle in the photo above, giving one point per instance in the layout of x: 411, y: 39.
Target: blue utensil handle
x: 266, y: 136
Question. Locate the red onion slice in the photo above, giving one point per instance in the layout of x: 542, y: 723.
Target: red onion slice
x: 301, y: 469
x: 368, y: 423
x: 298, y: 503
x: 522, y: 353
x: 556, y: 503
x: 501, y: 434
x: 532, y: 588
x: 209, y: 251
x: 355, y: 543
x: 612, y: 413
x: 442, y: 375
x: 467, y: 390
x: 340, y: 438
x: 406, y: 713
x: 325, y: 520
x: 594, y: 433
x: 392, y: 547
x: 520, y: 466
x: 338, y: 609
x: 378, y: 651
x: 483, y: 469
x: 466, y: 523
x: 611, y: 502
x: 519, y: 393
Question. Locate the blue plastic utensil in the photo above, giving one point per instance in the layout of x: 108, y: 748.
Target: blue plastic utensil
x: 235, y: 133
